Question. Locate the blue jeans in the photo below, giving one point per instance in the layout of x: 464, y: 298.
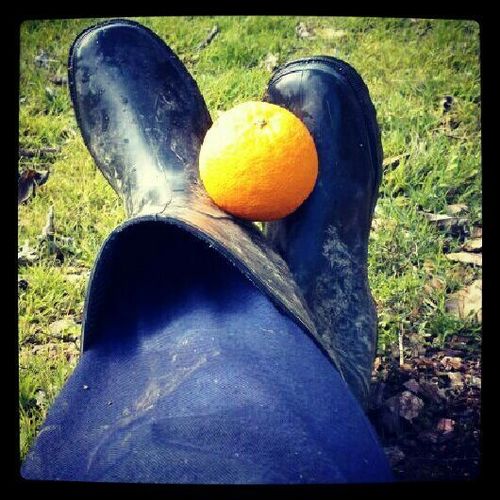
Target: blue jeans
x: 194, y: 376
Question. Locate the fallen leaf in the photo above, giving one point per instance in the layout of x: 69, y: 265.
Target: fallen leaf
x: 459, y: 341
x: 477, y: 232
x: 82, y: 270
x: 28, y: 181
x: 445, y: 425
x: 437, y: 283
x: 330, y: 33
x: 303, y: 31
x: 466, y: 258
x: 428, y: 266
x: 27, y: 255
x: 66, y: 329
x: 473, y: 245
x: 473, y: 381
x: 447, y: 223
x: 405, y: 405
x: 25, y: 186
x: 40, y: 398
x: 270, y: 63
x: 452, y: 363
x: 434, y: 284
x: 72, y: 357
x: 424, y: 362
x: 53, y: 350
x: 466, y: 302
x: 49, y: 228
x: 377, y: 222
x: 455, y: 379
x: 456, y: 209
x: 74, y: 278
x: 58, y: 80
x: 436, y: 217
x: 410, y: 405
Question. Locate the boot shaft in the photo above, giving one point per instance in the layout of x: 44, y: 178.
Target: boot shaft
x: 140, y: 112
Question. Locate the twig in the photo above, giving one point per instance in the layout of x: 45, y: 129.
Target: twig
x: 451, y: 136
x: 42, y: 60
x: 49, y: 229
x: 400, y: 338
x: 210, y: 37
x: 31, y: 153
x: 58, y: 80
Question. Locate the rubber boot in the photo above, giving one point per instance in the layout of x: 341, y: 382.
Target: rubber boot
x: 143, y: 120
x: 325, y: 242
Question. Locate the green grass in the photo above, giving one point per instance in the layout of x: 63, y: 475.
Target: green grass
x: 408, y: 65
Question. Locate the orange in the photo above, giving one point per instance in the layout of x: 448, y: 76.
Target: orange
x: 258, y: 161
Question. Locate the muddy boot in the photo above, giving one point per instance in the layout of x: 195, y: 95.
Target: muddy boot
x: 325, y: 242
x: 143, y: 120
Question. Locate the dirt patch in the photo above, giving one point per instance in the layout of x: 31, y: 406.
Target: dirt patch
x: 427, y: 412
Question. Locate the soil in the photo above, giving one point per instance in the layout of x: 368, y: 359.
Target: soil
x: 427, y: 409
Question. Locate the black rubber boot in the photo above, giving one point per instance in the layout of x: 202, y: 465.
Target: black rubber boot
x: 325, y: 242
x: 140, y: 113
x: 143, y: 120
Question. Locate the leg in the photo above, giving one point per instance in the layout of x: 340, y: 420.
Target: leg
x: 194, y: 376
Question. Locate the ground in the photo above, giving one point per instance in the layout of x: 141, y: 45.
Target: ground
x: 425, y: 246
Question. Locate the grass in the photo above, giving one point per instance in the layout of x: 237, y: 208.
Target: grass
x: 409, y: 66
